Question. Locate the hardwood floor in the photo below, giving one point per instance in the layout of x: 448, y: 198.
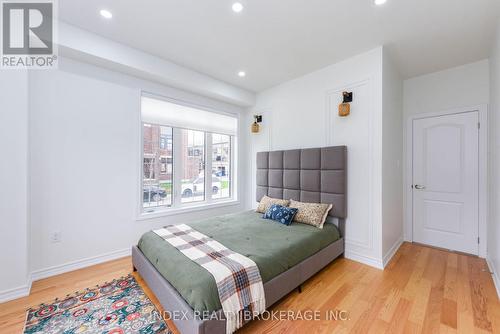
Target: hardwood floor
x: 423, y: 290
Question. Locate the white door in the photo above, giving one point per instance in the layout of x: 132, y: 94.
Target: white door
x: 445, y: 181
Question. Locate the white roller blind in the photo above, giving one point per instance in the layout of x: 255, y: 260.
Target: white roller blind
x: 161, y: 112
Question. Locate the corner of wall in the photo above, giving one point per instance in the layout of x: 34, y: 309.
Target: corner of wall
x: 493, y: 228
x: 14, y: 194
x: 392, y: 159
x: 495, y: 275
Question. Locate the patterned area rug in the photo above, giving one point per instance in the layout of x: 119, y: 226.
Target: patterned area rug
x: 118, y: 307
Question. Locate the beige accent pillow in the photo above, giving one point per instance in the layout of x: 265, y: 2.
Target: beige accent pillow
x: 311, y: 213
x: 266, y: 202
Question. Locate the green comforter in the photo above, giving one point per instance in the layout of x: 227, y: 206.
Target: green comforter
x: 274, y: 247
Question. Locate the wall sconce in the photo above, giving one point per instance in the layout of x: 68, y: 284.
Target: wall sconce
x: 345, y: 107
x: 255, y: 125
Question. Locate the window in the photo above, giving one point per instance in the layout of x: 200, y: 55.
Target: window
x: 188, y: 156
x: 221, y: 166
x: 166, y: 165
x: 165, y: 141
x: 193, y: 166
x: 156, y: 169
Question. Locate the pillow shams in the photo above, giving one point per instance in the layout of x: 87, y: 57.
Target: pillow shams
x: 266, y: 202
x: 280, y: 214
x: 311, y: 213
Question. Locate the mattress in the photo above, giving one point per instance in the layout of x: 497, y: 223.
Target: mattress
x: 274, y: 247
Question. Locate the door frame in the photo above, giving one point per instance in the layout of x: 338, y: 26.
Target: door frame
x: 482, y: 169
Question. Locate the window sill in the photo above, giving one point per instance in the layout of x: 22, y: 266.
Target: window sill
x: 186, y: 209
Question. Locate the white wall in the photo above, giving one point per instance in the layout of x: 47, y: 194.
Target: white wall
x: 91, y: 48
x: 85, y: 163
x: 302, y: 113
x: 392, y: 156
x: 493, y: 256
x: 463, y: 86
x: 14, y: 217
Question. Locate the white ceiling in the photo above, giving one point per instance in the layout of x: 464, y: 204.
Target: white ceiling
x: 277, y: 40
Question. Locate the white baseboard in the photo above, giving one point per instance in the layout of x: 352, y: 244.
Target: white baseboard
x: 15, y: 293
x: 495, y: 275
x: 369, y: 261
x: 79, y: 264
x: 24, y: 290
x: 388, y: 256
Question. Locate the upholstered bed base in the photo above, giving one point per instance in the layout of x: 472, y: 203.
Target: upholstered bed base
x: 275, y: 289
x: 317, y: 175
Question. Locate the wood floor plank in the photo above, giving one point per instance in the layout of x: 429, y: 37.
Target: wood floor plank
x: 413, y: 289
x: 420, y: 302
x: 479, y: 299
x: 422, y: 290
x: 390, y: 304
x: 449, y: 313
x: 465, y: 319
x: 432, y: 320
x: 450, y: 287
x: 400, y: 316
x: 412, y: 328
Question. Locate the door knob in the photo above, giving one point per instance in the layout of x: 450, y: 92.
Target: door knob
x: 419, y: 187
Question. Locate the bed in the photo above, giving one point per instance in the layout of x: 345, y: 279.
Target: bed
x: 285, y: 255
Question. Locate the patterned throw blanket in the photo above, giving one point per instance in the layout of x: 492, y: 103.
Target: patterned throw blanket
x: 240, y: 287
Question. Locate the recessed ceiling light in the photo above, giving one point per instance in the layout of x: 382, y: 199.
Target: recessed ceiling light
x: 241, y: 74
x: 237, y: 7
x: 106, y: 14
x: 380, y: 2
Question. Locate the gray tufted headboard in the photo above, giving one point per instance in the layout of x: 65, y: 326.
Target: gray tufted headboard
x: 314, y: 175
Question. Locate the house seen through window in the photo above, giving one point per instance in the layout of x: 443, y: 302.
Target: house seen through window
x: 187, y: 158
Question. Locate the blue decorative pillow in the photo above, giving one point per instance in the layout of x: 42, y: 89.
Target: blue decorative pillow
x: 281, y: 214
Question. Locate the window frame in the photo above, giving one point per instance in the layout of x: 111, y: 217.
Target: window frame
x: 231, y: 165
x: 178, y: 176
x: 177, y: 206
x: 142, y: 209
